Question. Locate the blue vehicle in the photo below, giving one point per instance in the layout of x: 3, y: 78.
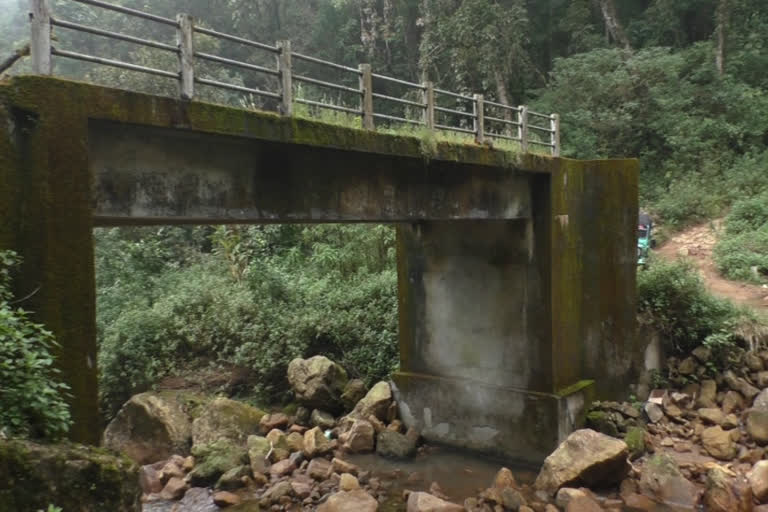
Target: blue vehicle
x: 645, y: 241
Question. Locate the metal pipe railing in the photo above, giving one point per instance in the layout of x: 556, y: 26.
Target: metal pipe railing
x: 514, y: 122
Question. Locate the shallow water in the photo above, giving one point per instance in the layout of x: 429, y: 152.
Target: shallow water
x: 460, y: 475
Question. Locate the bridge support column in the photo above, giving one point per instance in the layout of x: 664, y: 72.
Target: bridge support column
x: 45, y: 216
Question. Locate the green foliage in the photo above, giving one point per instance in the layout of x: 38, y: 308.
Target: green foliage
x: 255, y: 297
x: 31, y: 398
x: 744, y: 244
x: 673, y: 295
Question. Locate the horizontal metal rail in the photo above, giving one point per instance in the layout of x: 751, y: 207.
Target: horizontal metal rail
x: 113, y: 63
x: 454, y: 94
x: 230, y: 62
x: 234, y: 39
x: 239, y: 88
x: 505, y: 121
x: 315, y: 60
x: 523, y: 124
x: 398, y: 81
x: 399, y: 119
x: 322, y: 83
x: 455, y: 112
x: 454, y: 128
x: 130, y: 12
x: 113, y: 35
x: 398, y: 100
x: 329, y: 106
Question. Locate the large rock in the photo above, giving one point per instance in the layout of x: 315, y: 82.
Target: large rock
x: 757, y: 425
x: 315, y: 443
x: 214, y: 459
x: 318, y: 383
x: 225, y: 418
x: 394, y: 444
x: 350, y: 501
x: 375, y: 402
x: 718, y: 443
x: 354, y: 391
x: 359, y: 438
x: 707, y: 395
x: 662, y: 480
x: 727, y: 492
x: 424, y: 502
x: 149, y: 428
x: 73, y: 477
x: 586, y: 457
x: 758, y: 480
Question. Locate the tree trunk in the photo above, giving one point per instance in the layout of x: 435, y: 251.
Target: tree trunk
x: 722, y: 30
x: 612, y: 23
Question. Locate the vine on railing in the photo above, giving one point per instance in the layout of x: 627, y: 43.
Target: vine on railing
x: 512, y: 123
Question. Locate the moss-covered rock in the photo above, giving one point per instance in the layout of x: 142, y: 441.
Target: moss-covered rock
x: 215, y: 459
x: 225, y: 418
x: 635, y: 439
x: 601, y: 422
x: 150, y: 428
x: 70, y: 476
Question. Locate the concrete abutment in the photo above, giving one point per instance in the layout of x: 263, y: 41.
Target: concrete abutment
x: 516, y: 273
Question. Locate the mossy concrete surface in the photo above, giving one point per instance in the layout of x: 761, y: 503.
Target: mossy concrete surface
x: 72, y: 477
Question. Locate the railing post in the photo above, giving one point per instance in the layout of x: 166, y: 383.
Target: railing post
x: 40, y: 42
x: 555, y: 127
x: 522, y: 127
x: 185, y: 41
x: 479, y: 119
x: 429, y: 103
x: 366, y: 95
x: 286, y: 82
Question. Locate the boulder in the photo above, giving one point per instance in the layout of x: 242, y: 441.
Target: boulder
x: 758, y: 481
x: 376, y: 402
x: 718, y: 443
x: 215, y: 459
x: 726, y: 492
x: 149, y: 428
x: 662, y: 480
x: 757, y: 425
x: 174, y: 489
x: 350, y: 501
x: 707, y: 394
x: 73, y: 477
x: 732, y: 401
x: 741, y: 385
x: 394, y: 444
x: 424, y: 502
x: 322, y: 419
x: 258, y: 451
x: 225, y: 418
x: 318, y: 382
x: 354, y: 391
x: 585, y: 457
x: 315, y: 443
x: 359, y: 438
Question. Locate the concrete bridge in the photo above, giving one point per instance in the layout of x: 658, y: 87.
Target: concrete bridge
x: 516, y: 273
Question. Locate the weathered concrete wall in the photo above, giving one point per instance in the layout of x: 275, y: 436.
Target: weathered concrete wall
x: 44, y: 187
x: 145, y: 174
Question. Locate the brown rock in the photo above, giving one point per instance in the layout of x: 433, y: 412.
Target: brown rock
x: 276, y: 492
x: 282, y: 468
x: 718, y: 443
x: 301, y: 489
x: 423, y: 502
x: 315, y: 443
x: 758, y: 481
x: 376, y: 402
x: 583, y: 504
x: 149, y: 479
x: 226, y: 499
x: 640, y: 503
x: 342, y: 466
x: 504, y: 478
x: 753, y: 362
x: 662, y: 480
x: 350, y: 501
x: 295, y: 442
x: 319, y: 468
x: 757, y: 425
x: 174, y: 489
x: 711, y: 415
x: 723, y: 494
x: 585, y: 457
x: 274, y: 421
x: 318, y: 382
x: 348, y: 482
x: 732, y: 401
x: 707, y: 394
x: 359, y: 438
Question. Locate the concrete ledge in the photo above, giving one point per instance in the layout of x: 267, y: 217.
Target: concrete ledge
x: 515, y: 424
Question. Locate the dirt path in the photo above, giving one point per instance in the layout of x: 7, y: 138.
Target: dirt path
x: 696, y: 243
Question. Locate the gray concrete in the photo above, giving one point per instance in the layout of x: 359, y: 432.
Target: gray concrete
x: 144, y: 175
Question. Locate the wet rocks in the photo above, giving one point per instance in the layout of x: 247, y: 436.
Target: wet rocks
x: 318, y: 383
x: 394, y: 444
x: 149, y: 428
x: 586, y: 457
x: 225, y: 418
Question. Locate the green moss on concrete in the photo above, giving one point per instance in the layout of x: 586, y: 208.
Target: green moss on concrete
x: 74, y: 477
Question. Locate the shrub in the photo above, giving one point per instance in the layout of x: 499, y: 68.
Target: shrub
x: 31, y: 398
x: 744, y: 244
x: 673, y: 295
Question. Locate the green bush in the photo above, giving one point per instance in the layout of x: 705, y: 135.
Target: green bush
x: 744, y: 244
x: 674, y: 297
x: 31, y: 398
x: 255, y: 297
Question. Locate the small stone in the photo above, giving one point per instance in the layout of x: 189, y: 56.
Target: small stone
x: 226, y: 499
x: 295, y: 442
x: 730, y: 421
x: 732, y: 401
x: 702, y: 353
x: 754, y: 362
x: 350, y: 501
x: 424, y: 502
x: 707, y: 394
x: 348, y: 482
x: 149, y: 479
x: 394, y: 444
x: 342, y: 466
x: 566, y: 494
x: 654, y: 412
x: 323, y: 420
x: 504, y: 478
x: 174, y: 489
x: 315, y: 443
x: 318, y: 468
x: 718, y: 443
x: 276, y: 492
x: 359, y: 438
x: 711, y: 415
x: 282, y: 468
x: 301, y: 489
x: 687, y: 366
x: 274, y: 421
x: 758, y: 480
x: 757, y: 425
